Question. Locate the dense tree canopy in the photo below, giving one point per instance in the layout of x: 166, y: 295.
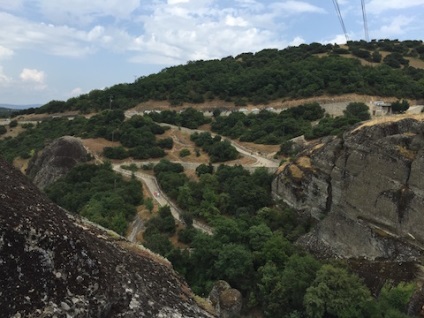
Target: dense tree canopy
x: 294, y: 72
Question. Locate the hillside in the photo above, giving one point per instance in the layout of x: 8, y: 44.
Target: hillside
x: 381, y: 68
x: 210, y: 202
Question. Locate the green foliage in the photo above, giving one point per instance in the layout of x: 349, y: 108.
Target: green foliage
x: 166, y: 143
x: 132, y: 167
x: 164, y: 222
x: 357, y: 110
x: 190, y: 118
x: 234, y: 263
x: 395, y: 60
x: 13, y: 124
x: 393, y: 301
x: 281, y: 292
x: 203, y: 169
x: 184, y: 153
x: 400, y: 107
x: 337, y: 293
x: 332, y: 126
x: 3, y: 130
x: 99, y: 194
x: 115, y: 152
x: 295, y: 72
x: 218, y: 150
x: 267, y: 127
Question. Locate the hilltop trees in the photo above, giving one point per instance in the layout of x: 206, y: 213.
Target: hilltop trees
x: 295, y: 72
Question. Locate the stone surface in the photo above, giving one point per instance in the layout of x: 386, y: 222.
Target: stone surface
x: 227, y: 301
x: 365, y: 190
x: 56, y: 265
x: 56, y: 160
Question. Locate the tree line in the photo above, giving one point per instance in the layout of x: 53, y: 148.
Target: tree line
x: 258, y: 78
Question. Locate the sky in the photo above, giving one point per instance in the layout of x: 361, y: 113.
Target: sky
x: 58, y: 49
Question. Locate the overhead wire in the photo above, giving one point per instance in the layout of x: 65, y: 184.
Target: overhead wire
x: 339, y: 14
x: 364, y: 16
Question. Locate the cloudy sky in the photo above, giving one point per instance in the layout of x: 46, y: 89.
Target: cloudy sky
x: 56, y: 49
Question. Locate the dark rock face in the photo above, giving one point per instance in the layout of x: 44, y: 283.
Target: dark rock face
x: 54, y: 265
x: 56, y: 160
x: 366, y: 191
x: 227, y: 301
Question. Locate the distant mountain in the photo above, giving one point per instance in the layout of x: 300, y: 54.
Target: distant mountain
x: 14, y: 106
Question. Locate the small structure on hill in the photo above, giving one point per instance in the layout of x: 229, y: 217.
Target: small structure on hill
x: 380, y: 108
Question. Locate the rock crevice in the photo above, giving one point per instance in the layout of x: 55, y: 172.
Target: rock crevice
x: 372, y: 175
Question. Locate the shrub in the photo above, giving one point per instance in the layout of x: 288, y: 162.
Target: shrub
x: 184, y: 153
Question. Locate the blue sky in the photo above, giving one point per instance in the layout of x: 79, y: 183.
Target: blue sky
x: 56, y: 49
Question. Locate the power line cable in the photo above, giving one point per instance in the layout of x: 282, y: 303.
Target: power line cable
x: 364, y: 16
x: 339, y: 14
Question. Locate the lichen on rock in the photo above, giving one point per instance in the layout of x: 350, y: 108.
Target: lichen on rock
x: 55, y: 265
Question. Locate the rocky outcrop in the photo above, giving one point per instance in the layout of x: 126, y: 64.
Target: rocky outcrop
x: 56, y: 160
x: 365, y: 190
x: 227, y: 301
x: 55, y: 265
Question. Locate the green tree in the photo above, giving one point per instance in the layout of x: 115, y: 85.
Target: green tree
x: 149, y: 204
x: 184, y: 153
x: 400, y: 107
x: 3, y: 130
x: 358, y: 110
x: 337, y: 293
x: 203, y: 169
x: 13, y: 124
x: 234, y: 264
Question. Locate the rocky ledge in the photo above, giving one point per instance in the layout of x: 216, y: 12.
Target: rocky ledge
x: 55, y: 265
x: 365, y: 191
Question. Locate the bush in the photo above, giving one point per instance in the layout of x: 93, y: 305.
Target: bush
x: 13, y: 123
x: 184, y: 153
x: 399, y: 107
x: 115, y: 153
x: 3, y: 130
x: 358, y: 110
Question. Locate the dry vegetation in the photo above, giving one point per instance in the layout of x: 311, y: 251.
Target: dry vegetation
x: 389, y: 119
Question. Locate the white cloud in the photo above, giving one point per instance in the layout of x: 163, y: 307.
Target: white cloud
x: 378, y: 6
x: 235, y: 21
x: 338, y: 39
x: 4, y: 79
x: 5, y: 52
x: 397, y: 26
x: 296, y: 7
x: 297, y: 41
x: 32, y: 75
x: 172, y: 2
x: 77, y: 91
x: 86, y: 11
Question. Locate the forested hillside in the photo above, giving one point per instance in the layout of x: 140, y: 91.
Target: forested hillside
x: 252, y: 238
x: 382, y: 68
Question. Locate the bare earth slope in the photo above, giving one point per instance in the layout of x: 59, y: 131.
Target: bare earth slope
x: 55, y: 266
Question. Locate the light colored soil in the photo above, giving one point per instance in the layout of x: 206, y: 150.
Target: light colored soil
x: 96, y: 145
x: 389, y: 119
x: 12, y: 132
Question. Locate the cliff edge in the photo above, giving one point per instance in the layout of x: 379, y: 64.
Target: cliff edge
x: 365, y: 190
x: 55, y: 265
